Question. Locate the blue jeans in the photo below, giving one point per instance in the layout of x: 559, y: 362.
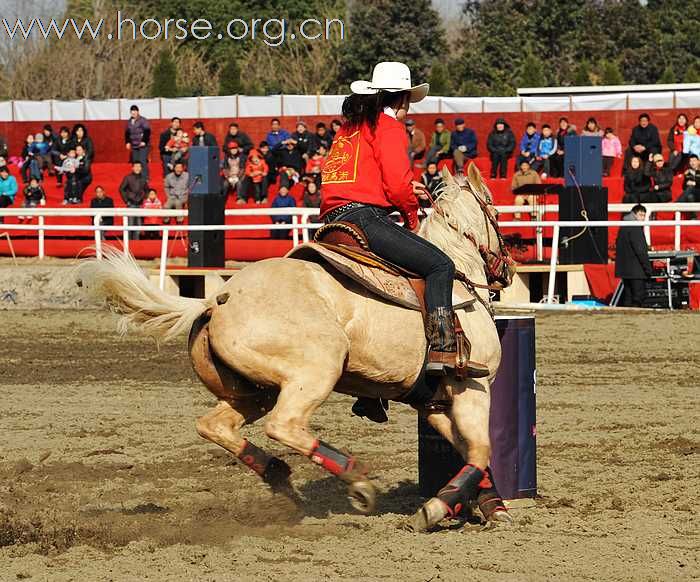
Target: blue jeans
x: 406, y: 249
x: 141, y: 155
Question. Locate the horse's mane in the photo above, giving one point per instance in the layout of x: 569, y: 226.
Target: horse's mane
x: 457, y: 216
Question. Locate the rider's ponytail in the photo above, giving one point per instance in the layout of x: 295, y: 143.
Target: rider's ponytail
x: 360, y: 109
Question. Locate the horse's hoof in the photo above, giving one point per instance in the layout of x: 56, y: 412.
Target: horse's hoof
x: 428, y: 516
x: 501, y: 517
x: 362, y: 496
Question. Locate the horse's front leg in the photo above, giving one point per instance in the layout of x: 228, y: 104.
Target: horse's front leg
x: 466, y: 427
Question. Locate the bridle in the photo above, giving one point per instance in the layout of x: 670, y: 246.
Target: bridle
x: 499, y: 268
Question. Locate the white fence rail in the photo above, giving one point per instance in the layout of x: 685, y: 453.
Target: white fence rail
x: 227, y: 106
x: 301, y: 223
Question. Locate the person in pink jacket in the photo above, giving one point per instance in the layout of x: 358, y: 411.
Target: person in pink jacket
x: 612, y: 148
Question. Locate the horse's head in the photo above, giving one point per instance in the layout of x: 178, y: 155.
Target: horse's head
x: 465, y: 205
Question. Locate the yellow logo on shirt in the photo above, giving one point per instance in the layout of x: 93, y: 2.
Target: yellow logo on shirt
x: 341, y: 165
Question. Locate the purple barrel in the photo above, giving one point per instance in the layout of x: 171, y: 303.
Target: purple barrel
x: 512, y: 424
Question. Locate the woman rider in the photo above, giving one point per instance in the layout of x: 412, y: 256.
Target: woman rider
x: 368, y: 175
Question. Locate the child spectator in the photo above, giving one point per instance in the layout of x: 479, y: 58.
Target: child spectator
x: 177, y: 188
x: 42, y: 153
x: 662, y: 179
x: 282, y: 200
x: 691, y: 139
x: 255, y: 170
x: 152, y: 203
x: 34, y: 196
x: 500, y: 143
x: 177, y: 147
x: 416, y: 143
x: 100, y: 200
x: 637, y: 183
x: 528, y: 145
x: 592, y: 128
x: 69, y: 168
x: 30, y: 167
x: 463, y: 144
x: 675, y: 140
x: 611, y: 149
x: 233, y: 166
x: 431, y: 179
x: 8, y: 189
x: 525, y: 175
x: 439, y: 143
x: 546, y: 148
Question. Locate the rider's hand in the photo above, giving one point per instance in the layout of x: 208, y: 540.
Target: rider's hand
x: 420, y: 190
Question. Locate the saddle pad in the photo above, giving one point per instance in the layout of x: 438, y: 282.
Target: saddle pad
x: 393, y: 288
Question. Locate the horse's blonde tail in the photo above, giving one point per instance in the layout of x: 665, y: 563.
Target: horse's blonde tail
x: 128, y: 292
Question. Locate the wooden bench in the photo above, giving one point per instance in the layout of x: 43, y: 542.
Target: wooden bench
x: 531, y: 281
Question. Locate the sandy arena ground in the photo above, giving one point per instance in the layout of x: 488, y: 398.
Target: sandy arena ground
x: 103, y: 477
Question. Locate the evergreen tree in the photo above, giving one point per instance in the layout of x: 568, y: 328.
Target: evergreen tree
x: 532, y: 72
x: 164, y: 77
x: 386, y: 30
x: 610, y: 74
x: 692, y: 75
x: 668, y: 77
x: 582, y: 75
x: 230, y: 78
x: 440, y: 81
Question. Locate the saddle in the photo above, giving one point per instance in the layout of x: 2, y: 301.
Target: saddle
x: 344, y: 247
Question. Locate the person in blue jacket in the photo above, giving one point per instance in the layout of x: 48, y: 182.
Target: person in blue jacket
x: 463, y: 144
x: 8, y: 189
x: 282, y: 200
x: 545, y: 150
x: 528, y: 145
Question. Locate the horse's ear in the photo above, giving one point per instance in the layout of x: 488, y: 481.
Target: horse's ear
x: 446, y: 176
x: 474, y: 175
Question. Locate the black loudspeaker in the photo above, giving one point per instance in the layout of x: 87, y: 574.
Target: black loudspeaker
x: 583, y: 160
x: 203, y: 167
x: 579, y: 245
x: 206, y: 248
x: 206, y: 206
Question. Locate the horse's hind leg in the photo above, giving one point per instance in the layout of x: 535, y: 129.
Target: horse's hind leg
x: 239, y: 404
x: 222, y: 426
x: 288, y: 423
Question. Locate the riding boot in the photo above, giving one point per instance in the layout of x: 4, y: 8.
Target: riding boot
x: 443, y: 342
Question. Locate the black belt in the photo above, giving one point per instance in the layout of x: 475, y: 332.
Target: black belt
x: 336, y: 213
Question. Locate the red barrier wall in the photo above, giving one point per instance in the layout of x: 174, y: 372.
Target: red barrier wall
x: 109, y: 140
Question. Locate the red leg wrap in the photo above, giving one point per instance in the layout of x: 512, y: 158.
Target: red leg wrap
x: 331, y: 459
x: 255, y: 458
x: 461, y: 489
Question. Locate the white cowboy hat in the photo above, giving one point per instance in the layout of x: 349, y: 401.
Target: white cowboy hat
x: 390, y: 76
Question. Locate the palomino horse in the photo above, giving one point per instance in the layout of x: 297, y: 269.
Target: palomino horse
x: 345, y: 339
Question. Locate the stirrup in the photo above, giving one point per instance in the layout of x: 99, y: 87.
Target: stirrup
x: 442, y: 363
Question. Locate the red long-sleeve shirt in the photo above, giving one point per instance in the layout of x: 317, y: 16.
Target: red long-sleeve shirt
x: 371, y: 168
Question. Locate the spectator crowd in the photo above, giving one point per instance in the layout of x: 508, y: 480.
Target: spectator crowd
x: 287, y: 158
